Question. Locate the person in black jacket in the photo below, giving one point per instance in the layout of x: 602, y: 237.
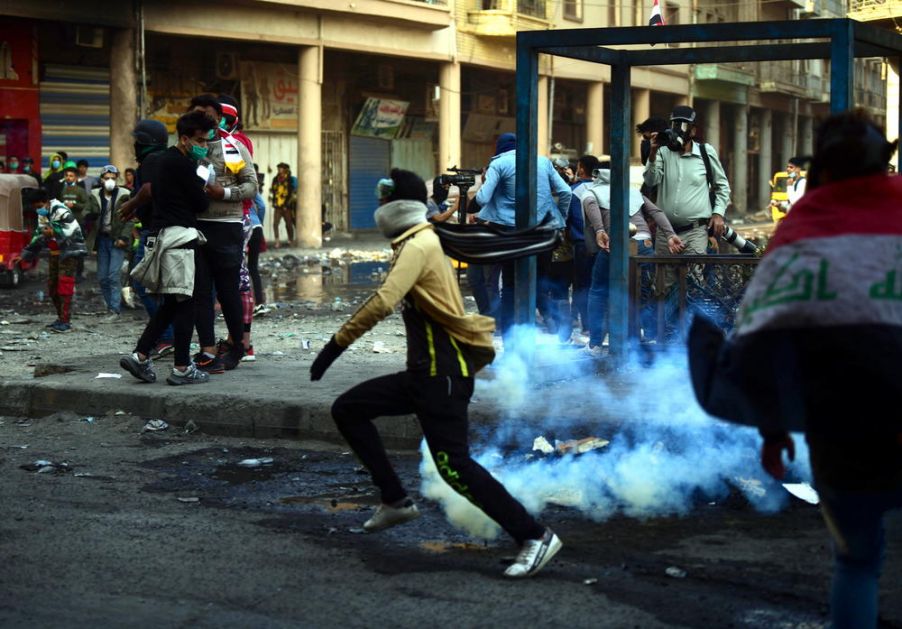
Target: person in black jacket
x: 179, y: 195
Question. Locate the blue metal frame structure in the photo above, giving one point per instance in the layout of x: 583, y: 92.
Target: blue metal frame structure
x: 844, y: 41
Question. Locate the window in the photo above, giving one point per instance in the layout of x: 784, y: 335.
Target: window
x: 573, y: 10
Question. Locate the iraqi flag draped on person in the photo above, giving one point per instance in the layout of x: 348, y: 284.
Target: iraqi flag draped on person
x: 818, y: 337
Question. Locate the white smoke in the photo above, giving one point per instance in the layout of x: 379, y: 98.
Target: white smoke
x: 665, y: 457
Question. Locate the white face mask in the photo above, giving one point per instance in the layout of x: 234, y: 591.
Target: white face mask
x: 109, y: 184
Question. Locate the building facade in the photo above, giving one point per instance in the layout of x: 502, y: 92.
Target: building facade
x: 345, y: 91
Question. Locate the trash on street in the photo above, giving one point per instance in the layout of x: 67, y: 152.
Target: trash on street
x: 155, y: 425
x: 267, y: 460
x: 803, y: 491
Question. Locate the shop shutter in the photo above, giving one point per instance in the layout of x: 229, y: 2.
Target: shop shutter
x: 370, y: 161
x: 75, y: 114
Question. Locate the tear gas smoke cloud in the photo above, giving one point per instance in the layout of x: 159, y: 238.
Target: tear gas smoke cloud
x: 666, y: 454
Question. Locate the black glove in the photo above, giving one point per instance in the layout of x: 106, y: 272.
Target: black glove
x: 326, y: 357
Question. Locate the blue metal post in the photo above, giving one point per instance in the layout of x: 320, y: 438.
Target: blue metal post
x: 527, y: 132
x: 621, y: 141
x: 842, y: 67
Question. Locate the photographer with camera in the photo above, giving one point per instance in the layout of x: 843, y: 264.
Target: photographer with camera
x: 693, y: 189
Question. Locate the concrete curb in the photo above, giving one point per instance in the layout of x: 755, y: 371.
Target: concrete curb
x: 228, y: 405
x: 273, y: 397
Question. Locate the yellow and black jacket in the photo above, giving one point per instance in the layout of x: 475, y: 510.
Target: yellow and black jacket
x: 441, y: 339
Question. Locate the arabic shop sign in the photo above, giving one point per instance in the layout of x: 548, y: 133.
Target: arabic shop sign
x: 380, y: 118
x: 269, y: 96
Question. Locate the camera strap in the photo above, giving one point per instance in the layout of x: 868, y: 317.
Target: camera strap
x: 709, y: 175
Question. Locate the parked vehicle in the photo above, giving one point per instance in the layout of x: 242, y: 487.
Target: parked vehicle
x: 16, y: 227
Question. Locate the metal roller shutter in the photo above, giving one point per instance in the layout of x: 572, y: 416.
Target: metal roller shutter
x: 75, y: 114
x: 370, y: 160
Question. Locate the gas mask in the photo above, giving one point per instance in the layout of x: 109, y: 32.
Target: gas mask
x: 677, y: 135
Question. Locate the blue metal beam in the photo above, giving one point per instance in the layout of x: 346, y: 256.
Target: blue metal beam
x: 842, y: 66
x: 682, y: 33
x: 726, y: 54
x: 595, y: 54
x: 881, y: 37
x: 525, y: 192
x: 621, y: 143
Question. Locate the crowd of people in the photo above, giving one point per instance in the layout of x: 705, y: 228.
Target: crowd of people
x: 119, y: 217
x: 679, y: 210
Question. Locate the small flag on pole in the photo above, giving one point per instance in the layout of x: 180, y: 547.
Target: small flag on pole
x: 656, y: 18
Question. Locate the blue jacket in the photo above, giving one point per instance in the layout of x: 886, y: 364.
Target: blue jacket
x: 496, y: 195
x: 258, y: 211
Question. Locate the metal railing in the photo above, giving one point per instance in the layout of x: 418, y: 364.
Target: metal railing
x: 711, y: 285
x: 532, y: 8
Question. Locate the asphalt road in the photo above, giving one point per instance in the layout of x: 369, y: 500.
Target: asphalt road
x: 166, y: 530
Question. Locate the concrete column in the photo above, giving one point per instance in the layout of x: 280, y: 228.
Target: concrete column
x: 712, y: 124
x: 765, y: 158
x: 740, y: 180
x: 308, y: 223
x: 123, y: 99
x: 595, y: 118
x: 542, y: 145
x: 787, y: 138
x: 641, y: 112
x: 449, y: 116
x: 892, y: 107
x: 806, y: 135
x: 681, y: 99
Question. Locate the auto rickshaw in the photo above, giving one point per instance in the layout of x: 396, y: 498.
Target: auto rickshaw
x: 15, y: 232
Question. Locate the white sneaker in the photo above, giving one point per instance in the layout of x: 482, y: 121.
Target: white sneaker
x: 595, y: 352
x: 534, y: 555
x: 387, y: 516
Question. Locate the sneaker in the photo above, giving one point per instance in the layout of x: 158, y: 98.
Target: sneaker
x: 387, y: 516
x: 192, y: 375
x: 534, y: 555
x: 51, y: 325
x: 163, y: 348
x: 210, y: 365
x: 232, y: 358
x: 111, y: 317
x: 60, y: 327
x: 141, y: 370
x: 222, y: 347
x: 249, y: 355
x: 261, y: 309
x: 593, y: 351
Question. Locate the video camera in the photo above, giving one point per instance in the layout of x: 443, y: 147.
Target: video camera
x: 464, y: 179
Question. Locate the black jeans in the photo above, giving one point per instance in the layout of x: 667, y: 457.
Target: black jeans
x: 253, y: 264
x: 177, y: 311
x: 219, y: 263
x: 440, y: 404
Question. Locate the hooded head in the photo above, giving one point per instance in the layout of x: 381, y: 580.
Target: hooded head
x: 505, y: 142
x: 849, y: 145
x: 405, y: 205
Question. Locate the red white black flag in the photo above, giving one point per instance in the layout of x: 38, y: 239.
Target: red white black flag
x: 656, y: 18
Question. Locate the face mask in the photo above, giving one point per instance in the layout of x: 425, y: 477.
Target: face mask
x: 70, y: 183
x: 26, y: 168
x: 109, y: 184
x: 212, y: 134
x: 198, y: 152
x: 55, y: 164
x: 14, y: 165
x: 222, y: 124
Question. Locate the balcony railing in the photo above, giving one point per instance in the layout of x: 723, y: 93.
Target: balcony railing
x: 787, y: 77
x: 503, y: 18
